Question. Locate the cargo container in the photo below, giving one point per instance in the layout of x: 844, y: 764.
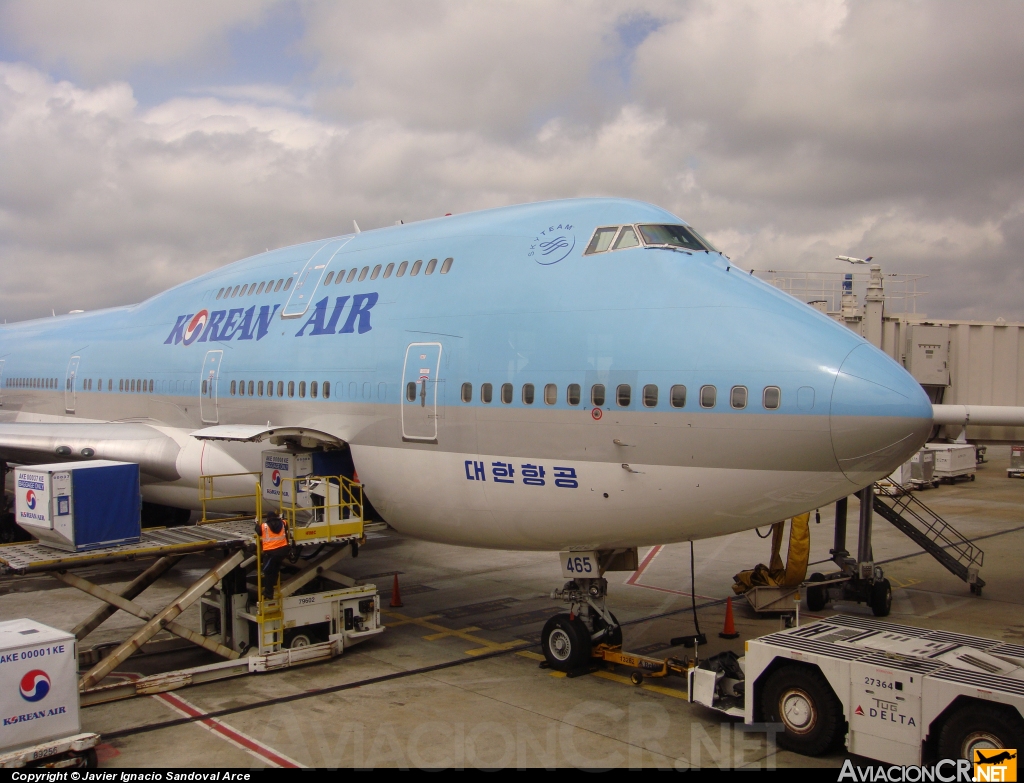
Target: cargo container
x: 76, y: 506
x: 954, y: 460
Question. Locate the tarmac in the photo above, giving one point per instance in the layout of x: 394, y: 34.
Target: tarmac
x: 482, y: 612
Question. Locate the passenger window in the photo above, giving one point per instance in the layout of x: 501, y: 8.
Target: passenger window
x: 572, y: 394
x: 252, y: 388
x: 270, y: 285
x: 506, y: 393
x: 259, y: 388
x: 650, y: 395
x: 352, y: 275
x: 415, y: 269
x: 260, y: 289
x: 327, y: 390
x: 362, y: 273
x: 623, y: 395
x: 278, y: 286
x: 401, y: 268
x: 329, y: 278
x: 431, y: 265
x: 550, y: 394
x: 678, y: 395
x: 220, y: 293
x: 447, y: 265
x: 341, y: 277
x: 627, y: 238
x: 241, y: 388
x: 602, y: 240
x: 467, y: 392
x: 708, y: 395
x: 120, y: 385
x: 528, y: 394
x: 388, y: 270
x: 287, y: 284
x: 313, y: 390
x: 270, y: 388
x: 410, y: 391
x: 110, y: 384
x: 738, y: 397
x: 302, y: 388
x: 244, y: 288
x: 376, y: 271
x: 252, y: 289
x: 772, y: 397
x: 151, y: 385
x: 597, y: 394
x: 291, y: 388
x: 486, y: 391
x: 234, y: 292
x: 204, y: 386
x: 280, y: 388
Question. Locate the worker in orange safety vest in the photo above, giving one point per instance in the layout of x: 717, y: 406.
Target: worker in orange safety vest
x: 274, y: 541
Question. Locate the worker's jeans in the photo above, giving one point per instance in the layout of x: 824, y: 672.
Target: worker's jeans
x: 271, y: 567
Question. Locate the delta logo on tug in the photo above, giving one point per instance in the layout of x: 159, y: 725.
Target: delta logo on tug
x: 34, y: 685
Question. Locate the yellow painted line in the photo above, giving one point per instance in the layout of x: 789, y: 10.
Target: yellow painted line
x: 531, y: 655
x: 675, y: 693
x: 908, y: 583
x: 440, y: 632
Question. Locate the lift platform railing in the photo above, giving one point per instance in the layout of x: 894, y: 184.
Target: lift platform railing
x: 321, y: 508
x: 208, y: 495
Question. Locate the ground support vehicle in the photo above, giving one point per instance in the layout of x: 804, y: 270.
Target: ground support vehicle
x: 898, y: 694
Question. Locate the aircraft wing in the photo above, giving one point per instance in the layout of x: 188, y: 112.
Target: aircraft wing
x: 38, y: 443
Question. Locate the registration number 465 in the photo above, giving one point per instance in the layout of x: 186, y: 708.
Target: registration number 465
x: 579, y: 565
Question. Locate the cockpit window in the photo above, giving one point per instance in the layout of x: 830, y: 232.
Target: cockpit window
x: 672, y: 236
x: 627, y: 238
x: 602, y: 240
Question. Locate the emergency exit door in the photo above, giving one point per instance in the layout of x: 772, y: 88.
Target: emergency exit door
x: 70, y: 380
x: 420, y: 387
x: 208, y: 387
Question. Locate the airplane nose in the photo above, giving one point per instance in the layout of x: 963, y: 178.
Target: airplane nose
x: 880, y: 416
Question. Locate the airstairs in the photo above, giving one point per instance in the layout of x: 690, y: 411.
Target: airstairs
x: 960, y: 556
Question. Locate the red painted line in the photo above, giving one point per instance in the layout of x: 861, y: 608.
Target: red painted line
x: 634, y: 579
x: 235, y: 737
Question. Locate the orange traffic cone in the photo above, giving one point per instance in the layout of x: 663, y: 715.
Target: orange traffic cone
x: 729, y: 632
x: 396, y: 596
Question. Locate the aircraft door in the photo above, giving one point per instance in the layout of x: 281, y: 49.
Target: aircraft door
x: 309, y: 279
x: 70, y: 379
x: 420, y: 387
x: 208, y: 387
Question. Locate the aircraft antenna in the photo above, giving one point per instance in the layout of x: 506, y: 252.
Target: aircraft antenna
x: 356, y: 225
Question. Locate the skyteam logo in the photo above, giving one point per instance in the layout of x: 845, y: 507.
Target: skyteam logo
x: 34, y: 685
x: 195, y: 327
x: 276, y: 478
x: 30, y: 500
x: 552, y: 244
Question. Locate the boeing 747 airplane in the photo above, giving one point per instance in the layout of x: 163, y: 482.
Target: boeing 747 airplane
x: 586, y: 374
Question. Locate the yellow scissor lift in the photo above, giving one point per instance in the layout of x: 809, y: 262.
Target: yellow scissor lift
x: 325, y: 511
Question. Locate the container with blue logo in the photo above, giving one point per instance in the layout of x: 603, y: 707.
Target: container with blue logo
x: 38, y: 684
x: 76, y: 506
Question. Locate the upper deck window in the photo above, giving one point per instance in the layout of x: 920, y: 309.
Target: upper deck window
x: 602, y: 240
x: 673, y: 236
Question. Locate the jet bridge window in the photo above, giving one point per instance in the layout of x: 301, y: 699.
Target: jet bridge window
x: 772, y: 397
x: 528, y: 393
x: 572, y: 394
x: 597, y: 394
x: 738, y: 397
x: 673, y: 236
x: 602, y: 240
x: 486, y: 393
x: 550, y: 394
x: 708, y: 396
x: 506, y: 393
x: 467, y: 392
x: 623, y: 395
x: 627, y: 238
x: 650, y: 395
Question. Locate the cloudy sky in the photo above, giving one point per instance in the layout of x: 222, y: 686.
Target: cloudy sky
x: 142, y: 143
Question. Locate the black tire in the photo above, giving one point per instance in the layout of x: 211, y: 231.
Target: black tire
x: 91, y: 762
x: 817, y: 597
x: 982, y: 727
x: 614, y: 637
x: 881, y: 598
x: 800, y: 698
x: 566, y: 643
